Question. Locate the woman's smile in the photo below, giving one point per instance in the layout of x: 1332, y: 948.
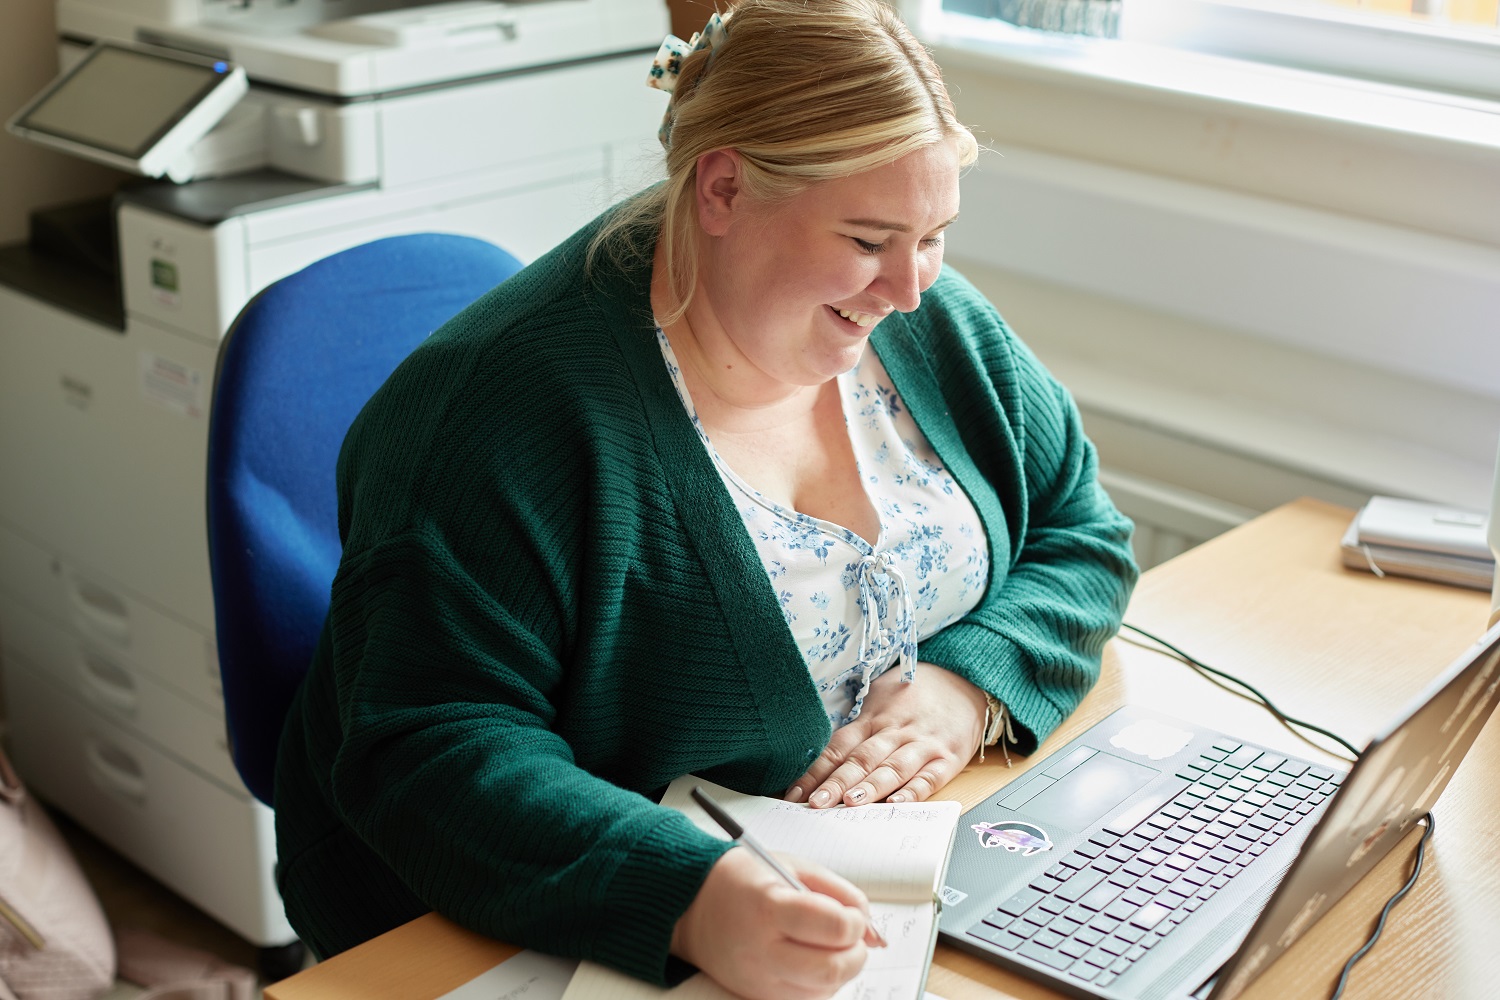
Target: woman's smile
x: 861, y: 321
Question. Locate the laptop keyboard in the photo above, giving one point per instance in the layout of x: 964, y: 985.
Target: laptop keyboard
x: 1104, y: 906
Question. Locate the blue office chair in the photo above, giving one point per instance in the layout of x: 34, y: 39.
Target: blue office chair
x: 294, y: 370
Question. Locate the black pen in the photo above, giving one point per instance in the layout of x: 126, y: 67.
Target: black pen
x: 739, y: 833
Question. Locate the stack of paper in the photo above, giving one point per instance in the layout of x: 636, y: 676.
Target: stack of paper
x: 1423, y: 540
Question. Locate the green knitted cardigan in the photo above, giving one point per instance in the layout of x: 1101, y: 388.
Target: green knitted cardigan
x: 548, y: 608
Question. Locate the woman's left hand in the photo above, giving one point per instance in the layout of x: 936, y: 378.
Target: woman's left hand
x: 908, y: 741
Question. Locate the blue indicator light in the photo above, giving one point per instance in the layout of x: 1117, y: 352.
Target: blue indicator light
x: 220, y: 67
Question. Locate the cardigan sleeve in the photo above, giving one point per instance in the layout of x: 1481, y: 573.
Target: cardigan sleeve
x: 449, y: 769
x: 1036, y: 639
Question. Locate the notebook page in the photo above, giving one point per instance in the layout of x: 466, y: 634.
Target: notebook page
x: 895, y: 852
x: 897, y: 971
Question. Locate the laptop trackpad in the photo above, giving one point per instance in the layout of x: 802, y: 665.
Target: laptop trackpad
x: 1088, y: 791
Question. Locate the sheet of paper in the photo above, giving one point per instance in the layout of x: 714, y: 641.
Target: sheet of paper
x: 530, y: 975
x: 894, y: 972
x: 891, y: 973
x: 527, y: 975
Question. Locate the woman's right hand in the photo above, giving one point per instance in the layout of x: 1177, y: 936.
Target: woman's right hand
x: 763, y: 940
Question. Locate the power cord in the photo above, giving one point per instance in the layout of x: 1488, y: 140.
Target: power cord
x: 1390, y: 904
x: 1295, y: 726
x: 1254, y: 694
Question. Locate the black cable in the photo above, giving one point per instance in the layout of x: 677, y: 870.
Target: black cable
x: 1290, y: 723
x: 1281, y: 716
x: 1416, y: 870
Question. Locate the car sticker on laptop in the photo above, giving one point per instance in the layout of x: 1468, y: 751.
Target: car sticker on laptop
x: 1013, y: 835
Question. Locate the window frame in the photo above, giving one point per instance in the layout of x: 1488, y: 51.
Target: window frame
x: 1332, y: 40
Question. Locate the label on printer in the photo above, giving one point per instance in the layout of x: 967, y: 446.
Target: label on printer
x: 178, y: 387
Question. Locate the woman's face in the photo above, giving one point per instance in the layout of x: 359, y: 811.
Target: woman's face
x: 794, y: 289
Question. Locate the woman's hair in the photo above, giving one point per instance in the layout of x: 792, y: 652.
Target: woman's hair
x: 805, y: 91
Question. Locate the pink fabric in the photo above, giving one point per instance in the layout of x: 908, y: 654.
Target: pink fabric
x: 54, y: 941
x: 179, y: 972
x: 209, y: 989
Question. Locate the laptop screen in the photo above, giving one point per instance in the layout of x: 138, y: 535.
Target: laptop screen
x: 1395, y: 782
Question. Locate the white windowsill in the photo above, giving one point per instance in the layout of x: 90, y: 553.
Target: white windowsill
x: 1361, y: 460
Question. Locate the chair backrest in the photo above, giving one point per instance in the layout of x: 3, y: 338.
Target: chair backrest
x: 296, y: 367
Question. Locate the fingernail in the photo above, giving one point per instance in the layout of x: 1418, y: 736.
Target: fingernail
x: 857, y: 796
x: 820, y: 797
x: 897, y: 797
x: 794, y: 795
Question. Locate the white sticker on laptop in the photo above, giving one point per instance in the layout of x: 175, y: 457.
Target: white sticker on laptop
x: 951, y: 896
x: 1149, y: 738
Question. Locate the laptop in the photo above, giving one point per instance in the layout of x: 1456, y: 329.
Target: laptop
x: 1152, y: 858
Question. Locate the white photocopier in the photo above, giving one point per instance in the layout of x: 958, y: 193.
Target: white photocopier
x: 338, y: 122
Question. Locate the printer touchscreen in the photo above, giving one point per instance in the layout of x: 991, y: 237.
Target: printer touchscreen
x: 122, y: 100
x: 135, y: 107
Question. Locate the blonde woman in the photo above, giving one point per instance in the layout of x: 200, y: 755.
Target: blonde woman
x: 739, y: 481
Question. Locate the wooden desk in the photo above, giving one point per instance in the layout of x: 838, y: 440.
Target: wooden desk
x: 1270, y: 603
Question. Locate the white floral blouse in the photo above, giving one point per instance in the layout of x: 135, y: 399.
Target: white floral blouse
x: 856, y: 609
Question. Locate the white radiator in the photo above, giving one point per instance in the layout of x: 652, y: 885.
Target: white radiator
x: 1168, y: 519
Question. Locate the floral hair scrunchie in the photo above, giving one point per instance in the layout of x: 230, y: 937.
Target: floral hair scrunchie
x: 667, y: 65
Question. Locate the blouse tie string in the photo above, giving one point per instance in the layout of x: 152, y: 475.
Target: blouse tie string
x: 889, y: 626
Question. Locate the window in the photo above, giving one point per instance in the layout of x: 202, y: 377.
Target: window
x: 1457, y: 13
x: 1099, y: 18
x: 1444, y: 45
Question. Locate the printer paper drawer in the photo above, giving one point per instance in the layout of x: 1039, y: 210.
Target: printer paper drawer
x: 215, y: 848
x: 123, y: 692
x: 114, y: 619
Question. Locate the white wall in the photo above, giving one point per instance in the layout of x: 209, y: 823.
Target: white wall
x: 31, y: 176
